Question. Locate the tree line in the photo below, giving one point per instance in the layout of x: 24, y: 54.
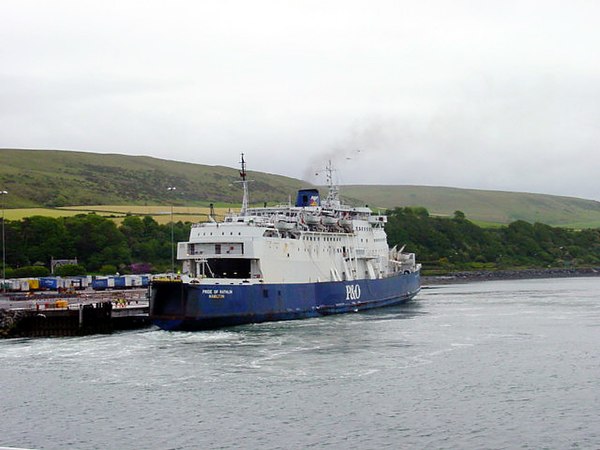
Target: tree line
x: 456, y: 243
x: 140, y: 244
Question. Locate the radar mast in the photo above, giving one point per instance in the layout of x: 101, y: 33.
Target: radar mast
x: 244, y: 182
x: 332, y: 199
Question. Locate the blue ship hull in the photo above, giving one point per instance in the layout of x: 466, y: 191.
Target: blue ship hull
x: 175, y: 305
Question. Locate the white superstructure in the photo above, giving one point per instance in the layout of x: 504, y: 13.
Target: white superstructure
x: 308, y: 242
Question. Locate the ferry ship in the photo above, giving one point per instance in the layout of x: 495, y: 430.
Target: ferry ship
x: 308, y: 259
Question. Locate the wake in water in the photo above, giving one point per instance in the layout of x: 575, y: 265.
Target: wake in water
x: 453, y: 370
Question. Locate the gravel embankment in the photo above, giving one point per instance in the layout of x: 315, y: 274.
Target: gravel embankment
x: 485, y: 275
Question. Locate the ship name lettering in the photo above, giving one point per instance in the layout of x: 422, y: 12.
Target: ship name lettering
x: 217, y: 293
x: 352, y: 292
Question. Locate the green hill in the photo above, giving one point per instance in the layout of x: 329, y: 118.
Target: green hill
x: 52, y: 178
x: 62, y: 178
x: 485, y: 206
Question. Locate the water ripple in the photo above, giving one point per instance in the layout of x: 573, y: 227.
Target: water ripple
x: 481, y: 365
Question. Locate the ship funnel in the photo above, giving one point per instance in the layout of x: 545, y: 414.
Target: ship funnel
x: 308, y: 197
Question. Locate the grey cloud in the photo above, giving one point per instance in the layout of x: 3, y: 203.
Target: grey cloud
x: 479, y: 95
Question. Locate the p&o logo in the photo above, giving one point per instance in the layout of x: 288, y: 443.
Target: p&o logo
x: 352, y: 292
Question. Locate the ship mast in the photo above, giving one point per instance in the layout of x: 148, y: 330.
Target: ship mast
x: 244, y: 186
x: 332, y: 199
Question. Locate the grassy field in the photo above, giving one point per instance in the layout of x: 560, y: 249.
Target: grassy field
x: 54, y: 178
x: 39, y: 179
x: 21, y: 213
x: 491, y: 207
x: 162, y: 214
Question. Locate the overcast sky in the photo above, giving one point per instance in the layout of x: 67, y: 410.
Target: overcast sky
x: 501, y: 95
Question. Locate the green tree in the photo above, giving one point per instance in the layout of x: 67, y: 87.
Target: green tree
x: 97, y: 241
x: 44, y: 237
x: 459, y: 216
x: 70, y: 270
x: 107, y: 269
x: 30, y: 271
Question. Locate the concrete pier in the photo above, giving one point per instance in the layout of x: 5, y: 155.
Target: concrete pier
x: 42, y: 316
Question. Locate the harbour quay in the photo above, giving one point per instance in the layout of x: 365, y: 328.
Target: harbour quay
x: 47, y: 315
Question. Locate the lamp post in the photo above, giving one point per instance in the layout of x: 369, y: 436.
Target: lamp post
x: 172, y: 188
x: 3, y: 193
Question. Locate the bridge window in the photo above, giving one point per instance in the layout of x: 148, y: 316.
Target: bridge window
x: 229, y: 268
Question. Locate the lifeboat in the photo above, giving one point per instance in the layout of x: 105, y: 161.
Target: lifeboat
x: 284, y: 225
x: 312, y: 219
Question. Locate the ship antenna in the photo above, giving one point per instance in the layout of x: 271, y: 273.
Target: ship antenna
x: 333, y: 194
x: 244, y: 186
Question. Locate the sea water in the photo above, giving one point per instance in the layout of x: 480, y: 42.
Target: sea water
x: 501, y: 364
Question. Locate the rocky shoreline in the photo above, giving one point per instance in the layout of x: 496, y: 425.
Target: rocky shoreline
x: 488, y: 275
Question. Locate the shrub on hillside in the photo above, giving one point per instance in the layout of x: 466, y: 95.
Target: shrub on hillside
x: 30, y: 271
x: 108, y: 269
x: 70, y: 270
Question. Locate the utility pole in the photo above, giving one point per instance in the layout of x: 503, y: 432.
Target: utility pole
x: 3, y: 193
x: 170, y: 189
